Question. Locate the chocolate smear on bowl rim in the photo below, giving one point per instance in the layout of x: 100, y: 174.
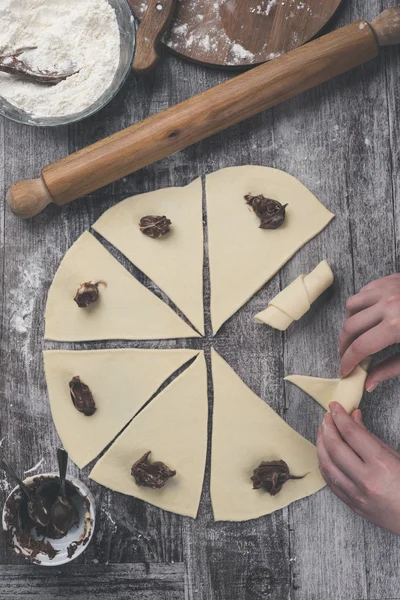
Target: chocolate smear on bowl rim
x: 82, y: 397
x: 72, y: 548
x: 37, y: 506
x: 19, y: 531
x: 20, y: 526
x: 271, y: 213
x: 155, y: 226
x: 88, y: 293
x: 153, y: 475
x: 271, y: 476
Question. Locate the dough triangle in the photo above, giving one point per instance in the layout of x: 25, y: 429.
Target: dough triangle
x: 174, y: 427
x: 244, y: 257
x: 126, y: 309
x: 121, y: 382
x: 246, y: 431
x: 173, y: 262
x: 321, y: 390
x: 348, y: 391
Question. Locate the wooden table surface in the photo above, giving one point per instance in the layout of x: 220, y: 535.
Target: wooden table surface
x: 341, y: 140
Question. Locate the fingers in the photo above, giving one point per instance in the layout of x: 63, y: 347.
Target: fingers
x: 340, y: 452
x: 332, y: 475
x: 372, y: 285
x: 358, y: 324
x: 361, y: 301
x: 358, y: 438
x: 387, y: 282
x: 385, y: 370
x: 368, y: 343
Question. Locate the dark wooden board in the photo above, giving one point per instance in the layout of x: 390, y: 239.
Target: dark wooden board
x: 155, y: 581
x: 341, y: 140
x: 239, y: 33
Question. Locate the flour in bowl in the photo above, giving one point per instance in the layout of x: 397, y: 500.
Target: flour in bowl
x: 83, y: 34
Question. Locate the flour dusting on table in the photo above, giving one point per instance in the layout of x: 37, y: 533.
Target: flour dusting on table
x: 110, y: 519
x: 83, y: 35
x: 23, y: 296
x: 35, y: 468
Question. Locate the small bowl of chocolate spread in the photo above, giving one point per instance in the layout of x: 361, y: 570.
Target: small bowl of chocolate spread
x: 46, y: 546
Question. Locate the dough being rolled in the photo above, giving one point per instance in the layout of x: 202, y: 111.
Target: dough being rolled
x: 347, y: 391
x: 295, y: 300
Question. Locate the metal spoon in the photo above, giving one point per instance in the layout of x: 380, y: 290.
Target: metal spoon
x: 38, y: 509
x: 11, y: 63
x: 63, y: 514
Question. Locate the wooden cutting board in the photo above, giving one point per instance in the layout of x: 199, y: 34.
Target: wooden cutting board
x: 234, y: 33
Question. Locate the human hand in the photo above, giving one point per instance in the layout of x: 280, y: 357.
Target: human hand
x: 372, y: 324
x: 359, y: 468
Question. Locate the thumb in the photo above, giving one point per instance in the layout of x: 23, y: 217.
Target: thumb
x: 385, y: 370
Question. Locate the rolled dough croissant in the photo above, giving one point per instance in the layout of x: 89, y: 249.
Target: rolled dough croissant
x: 295, y: 300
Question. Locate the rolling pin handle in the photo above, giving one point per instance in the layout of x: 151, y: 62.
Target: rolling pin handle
x: 28, y: 198
x: 387, y: 27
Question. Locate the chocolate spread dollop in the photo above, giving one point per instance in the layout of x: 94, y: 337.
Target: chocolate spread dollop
x: 154, y: 226
x: 271, y: 213
x: 153, y: 475
x: 271, y: 476
x: 82, y: 397
x: 88, y: 293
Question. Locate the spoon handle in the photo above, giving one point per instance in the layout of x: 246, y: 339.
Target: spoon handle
x: 5, y: 465
x: 14, y: 65
x: 62, y: 457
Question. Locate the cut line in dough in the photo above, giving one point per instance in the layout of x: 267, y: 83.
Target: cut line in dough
x: 174, y: 427
x: 121, y: 382
x: 126, y: 310
x: 347, y: 391
x: 296, y: 299
x: 244, y: 257
x: 175, y: 261
x: 246, y: 431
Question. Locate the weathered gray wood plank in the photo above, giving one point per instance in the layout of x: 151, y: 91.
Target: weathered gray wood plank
x: 382, y: 408
x: 342, y: 153
x: 30, y: 249
x: 244, y: 560
x: 156, y: 581
x: 2, y: 260
x: 140, y: 531
x: 336, y: 140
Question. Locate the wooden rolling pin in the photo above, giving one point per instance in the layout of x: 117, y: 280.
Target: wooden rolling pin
x: 201, y: 116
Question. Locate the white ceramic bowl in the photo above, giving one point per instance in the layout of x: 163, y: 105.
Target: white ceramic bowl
x: 81, y: 533
x: 127, y: 29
